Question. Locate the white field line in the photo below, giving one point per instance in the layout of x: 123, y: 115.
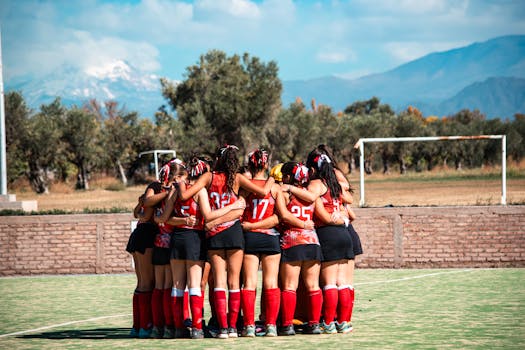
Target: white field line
x: 414, y: 277
x: 62, y: 324
x: 115, y: 316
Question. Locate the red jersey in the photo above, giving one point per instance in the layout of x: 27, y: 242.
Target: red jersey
x: 294, y: 236
x: 189, y: 208
x: 163, y: 238
x: 220, y: 197
x: 258, y: 209
x: 332, y: 205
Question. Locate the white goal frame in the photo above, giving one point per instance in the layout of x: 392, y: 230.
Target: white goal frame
x: 361, y: 145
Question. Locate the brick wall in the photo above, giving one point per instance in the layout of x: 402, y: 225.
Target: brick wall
x: 391, y: 237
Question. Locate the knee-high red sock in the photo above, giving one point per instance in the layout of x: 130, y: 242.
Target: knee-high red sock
x: 272, y: 299
x: 167, y: 307
x: 343, y: 304
x: 352, y: 298
x: 219, y: 296
x: 177, y: 296
x: 145, y: 301
x: 211, y: 301
x: 234, y: 306
x: 157, y: 310
x: 316, y: 303
x: 136, y: 310
x: 248, y: 306
x: 288, y: 301
x: 186, y: 305
x: 330, y: 297
x: 196, y: 306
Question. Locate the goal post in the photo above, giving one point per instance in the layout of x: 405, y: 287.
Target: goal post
x: 361, y: 145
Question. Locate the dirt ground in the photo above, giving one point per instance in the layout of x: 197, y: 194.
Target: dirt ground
x: 377, y: 194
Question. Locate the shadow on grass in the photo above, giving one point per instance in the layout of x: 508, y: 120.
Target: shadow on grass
x: 97, y: 333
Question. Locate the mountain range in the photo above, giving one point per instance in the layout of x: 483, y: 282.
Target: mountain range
x: 489, y: 76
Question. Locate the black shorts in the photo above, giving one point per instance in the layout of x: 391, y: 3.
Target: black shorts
x: 261, y: 243
x: 302, y: 252
x: 336, y: 243
x: 161, y: 256
x: 356, y: 241
x: 188, y: 244
x: 231, y: 238
x: 142, y: 237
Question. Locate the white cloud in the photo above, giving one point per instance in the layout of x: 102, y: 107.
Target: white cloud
x: 234, y: 8
x: 407, y: 51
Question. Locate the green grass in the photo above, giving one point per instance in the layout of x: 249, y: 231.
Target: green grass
x: 395, y: 309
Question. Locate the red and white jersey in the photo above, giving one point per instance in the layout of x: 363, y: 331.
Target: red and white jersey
x: 332, y: 205
x: 294, y: 236
x: 220, y: 197
x: 259, y: 208
x: 189, y: 208
x: 163, y: 238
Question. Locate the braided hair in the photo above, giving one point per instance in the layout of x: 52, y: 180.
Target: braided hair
x: 227, y: 162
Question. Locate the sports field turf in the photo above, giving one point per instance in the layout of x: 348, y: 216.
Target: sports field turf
x: 395, y: 309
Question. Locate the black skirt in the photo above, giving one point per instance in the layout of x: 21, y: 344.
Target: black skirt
x: 261, y: 243
x: 336, y: 243
x: 142, y: 237
x: 231, y: 238
x: 356, y: 241
x: 188, y: 244
x: 302, y: 252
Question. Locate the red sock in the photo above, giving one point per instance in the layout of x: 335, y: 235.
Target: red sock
x: 136, y: 314
x: 288, y: 300
x: 186, y: 304
x: 352, y: 297
x: 248, y: 306
x: 316, y: 303
x: 196, y: 306
x: 157, y: 310
x: 272, y: 299
x: 177, y: 302
x: 219, y: 296
x: 145, y: 301
x: 167, y: 307
x: 211, y: 301
x: 343, y: 304
x: 330, y: 296
x: 234, y: 306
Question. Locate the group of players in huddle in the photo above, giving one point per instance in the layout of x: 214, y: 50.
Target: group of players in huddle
x: 215, y: 225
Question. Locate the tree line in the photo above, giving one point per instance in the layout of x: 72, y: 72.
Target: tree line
x: 235, y: 100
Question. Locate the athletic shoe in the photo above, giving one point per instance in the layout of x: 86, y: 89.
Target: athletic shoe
x: 344, y: 327
x: 169, y: 332
x: 287, y: 330
x: 223, y: 333
x: 271, y: 330
x: 156, y: 332
x: 260, y: 329
x: 232, y: 332
x: 312, y: 329
x: 188, y: 323
x: 329, y: 328
x: 133, y: 333
x: 197, y: 333
x: 144, y: 333
x: 181, y: 333
x: 248, y: 331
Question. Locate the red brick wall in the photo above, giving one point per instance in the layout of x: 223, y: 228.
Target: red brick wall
x: 391, y: 237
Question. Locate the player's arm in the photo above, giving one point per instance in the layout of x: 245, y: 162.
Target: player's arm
x: 289, y: 218
x: 186, y: 193
x: 249, y: 186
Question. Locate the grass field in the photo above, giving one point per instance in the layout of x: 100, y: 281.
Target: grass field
x: 395, y: 309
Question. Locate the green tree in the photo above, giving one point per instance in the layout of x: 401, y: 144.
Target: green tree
x: 81, y: 134
x: 227, y: 98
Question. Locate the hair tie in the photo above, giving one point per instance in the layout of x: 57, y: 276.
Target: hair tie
x: 226, y: 147
x: 320, y: 159
x: 262, y: 161
x: 198, y: 169
x: 300, y: 173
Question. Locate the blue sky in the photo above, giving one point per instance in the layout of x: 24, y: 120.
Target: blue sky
x: 307, y: 39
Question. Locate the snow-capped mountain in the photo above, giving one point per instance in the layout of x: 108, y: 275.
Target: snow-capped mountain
x: 118, y: 80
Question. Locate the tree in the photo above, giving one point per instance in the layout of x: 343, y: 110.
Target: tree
x: 227, y: 97
x: 81, y: 134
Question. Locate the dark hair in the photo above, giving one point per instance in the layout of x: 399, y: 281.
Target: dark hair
x: 323, y: 167
x: 257, y: 160
x: 226, y: 161
x: 292, y: 169
x: 171, y: 169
